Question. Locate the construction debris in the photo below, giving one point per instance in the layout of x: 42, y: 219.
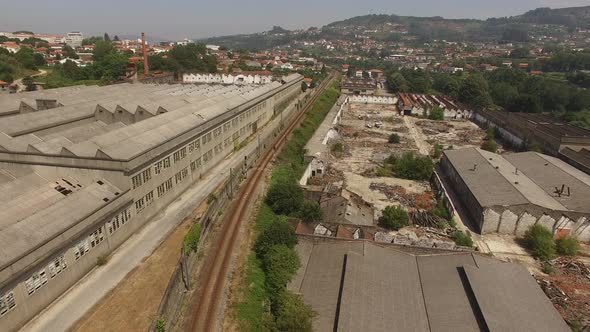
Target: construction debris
x: 425, y: 218
x: 568, y: 288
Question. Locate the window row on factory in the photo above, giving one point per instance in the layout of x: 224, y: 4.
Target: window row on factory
x: 203, y: 140
x: 57, y: 265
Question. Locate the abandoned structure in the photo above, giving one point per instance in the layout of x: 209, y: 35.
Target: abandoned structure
x: 246, y: 77
x: 359, y: 86
x: 363, y: 286
x: 507, y: 194
x: 83, y: 168
x: 525, y: 129
x: 422, y: 105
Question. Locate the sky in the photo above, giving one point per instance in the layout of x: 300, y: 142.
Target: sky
x: 178, y: 19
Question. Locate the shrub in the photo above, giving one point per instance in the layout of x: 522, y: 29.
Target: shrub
x: 310, y: 211
x: 394, y: 218
x: 191, y: 240
x: 292, y: 314
x: 285, y: 197
x: 384, y: 171
x: 160, y: 325
x: 102, y: 260
x: 437, y: 151
x: 461, y: 239
x: 567, y: 246
x: 547, y: 268
x: 411, y: 166
x: 211, y: 198
x: 280, y: 264
x: 441, y: 211
x: 490, y: 145
x: 540, y: 241
x: 278, y: 232
x: 437, y: 113
x: 394, y: 138
x: 337, y: 147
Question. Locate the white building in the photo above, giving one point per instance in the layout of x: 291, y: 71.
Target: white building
x: 74, y: 39
x: 238, y: 79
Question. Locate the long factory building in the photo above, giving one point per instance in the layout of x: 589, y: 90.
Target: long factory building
x: 83, y: 168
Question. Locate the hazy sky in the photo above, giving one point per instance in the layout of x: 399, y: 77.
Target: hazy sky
x: 176, y: 19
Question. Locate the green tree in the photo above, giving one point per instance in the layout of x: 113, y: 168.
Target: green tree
x: 567, y: 246
x: 29, y: 84
x: 69, y: 52
x: 489, y: 145
x: 278, y: 232
x: 26, y: 58
x: 102, y: 49
x: 280, y: 263
x: 540, y: 241
x: 397, y: 82
x: 285, y: 197
x: 293, y: 315
x: 474, y: 91
x: 310, y: 211
x: 394, y: 218
x: 106, y: 37
x: 39, y: 59
x: 303, y: 86
x: 437, y: 113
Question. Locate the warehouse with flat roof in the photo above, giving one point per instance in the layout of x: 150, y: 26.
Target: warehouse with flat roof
x: 509, y: 193
x: 364, y: 286
x: 83, y: 168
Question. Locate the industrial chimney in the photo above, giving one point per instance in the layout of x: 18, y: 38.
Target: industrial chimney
x: 145, y: 58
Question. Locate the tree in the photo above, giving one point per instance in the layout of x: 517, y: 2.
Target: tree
x: 280, y: 263
x: 394, y: 218
x: 489, y: 145
x: 540, y: 241
x: 567, y: 246
x: 447, y: 84
x: 474, y: 91
x: 285, y: 197
x: 278, y: 232
x: 520, y: 53
x: 29, y: 84
x: 116, y: 38
x: 106, y: 37
x: 437, y: 113
x: 39, y: 59
x: 101, y: 49
x: 394, y: 138
x: 397, y: 82
x: 26, y: 58
x: 310, y: 211
x: 293, y: 315
x: 69, y: 52
x: 303, y: 86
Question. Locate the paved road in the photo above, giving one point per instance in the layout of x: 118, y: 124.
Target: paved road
x: 65, y: 311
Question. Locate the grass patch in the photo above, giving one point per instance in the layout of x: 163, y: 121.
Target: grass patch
x: 253, y: 307
x: 252, y: 310
x: 191, y: 240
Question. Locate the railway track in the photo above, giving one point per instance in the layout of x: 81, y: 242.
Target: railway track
x: 209, y: 295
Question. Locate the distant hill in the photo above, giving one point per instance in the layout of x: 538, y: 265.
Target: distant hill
x: 392, y: 27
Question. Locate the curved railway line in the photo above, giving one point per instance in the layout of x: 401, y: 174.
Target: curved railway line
x: 209, y: 294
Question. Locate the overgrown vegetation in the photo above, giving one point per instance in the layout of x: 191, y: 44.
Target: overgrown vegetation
x: 567, y: 246
x: 437, y: 151
x: 540, y: 241
x: 337, y: 148
x: 191, y: 240
x: 462, y: 239
x: 394, y: 138
x: 394, y: 218
x: 267, y: 305
x: 160, y: 325
x: 409, y: 166
x: 102, y: 260
x: 310, y: 211
x: 437, y: 113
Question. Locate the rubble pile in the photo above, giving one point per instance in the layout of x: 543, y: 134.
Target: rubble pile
x: 569, y: 291
x: 400, y: 194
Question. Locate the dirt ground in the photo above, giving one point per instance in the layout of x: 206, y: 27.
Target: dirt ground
x: 133, y: 304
